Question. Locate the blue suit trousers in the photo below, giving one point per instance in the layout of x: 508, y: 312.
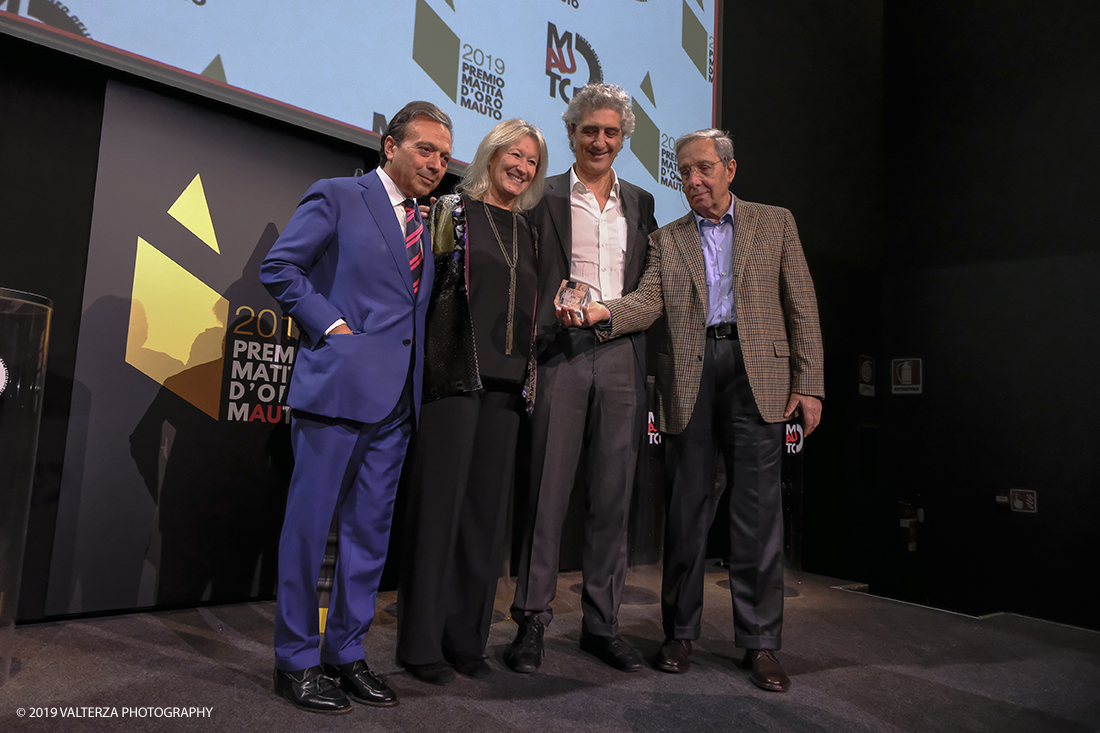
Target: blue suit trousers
x: 349, y: 470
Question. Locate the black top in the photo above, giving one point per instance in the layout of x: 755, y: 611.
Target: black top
x: 489, y: 283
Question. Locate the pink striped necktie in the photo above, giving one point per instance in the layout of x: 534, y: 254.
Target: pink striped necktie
x: 414, y: 228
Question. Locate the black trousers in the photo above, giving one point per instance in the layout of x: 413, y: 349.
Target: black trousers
x: 726, y: 417
x: 463, y: 470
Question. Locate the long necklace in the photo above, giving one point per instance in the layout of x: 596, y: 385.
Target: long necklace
x: 511, y: 270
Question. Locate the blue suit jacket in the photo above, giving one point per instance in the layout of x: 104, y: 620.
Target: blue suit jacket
x: 342, y: 255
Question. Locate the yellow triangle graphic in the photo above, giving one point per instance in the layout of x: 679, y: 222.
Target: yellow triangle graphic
x: 191, y: 210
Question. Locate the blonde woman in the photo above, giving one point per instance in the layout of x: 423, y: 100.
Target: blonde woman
x: 478, y: 382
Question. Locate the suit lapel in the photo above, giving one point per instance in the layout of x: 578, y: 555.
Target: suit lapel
x: 378, y: 203
x: 686, y: 236
x: 744, y: 231
x: 557, y: 207
x: 635, y: 244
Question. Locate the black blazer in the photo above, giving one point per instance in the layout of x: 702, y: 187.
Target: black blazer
x: 553, y: 220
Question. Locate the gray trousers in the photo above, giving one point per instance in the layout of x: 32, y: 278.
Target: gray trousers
x: 594, y: 391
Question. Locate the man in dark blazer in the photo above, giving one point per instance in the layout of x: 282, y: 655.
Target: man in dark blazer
x: 593, y: 229
x: 350, y: 269
x: 739, y: 352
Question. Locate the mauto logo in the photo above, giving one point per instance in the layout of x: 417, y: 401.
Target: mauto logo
x: 48, y: 12
x: 794, y: 438
x: 561, y: 61
x: 651, y: 431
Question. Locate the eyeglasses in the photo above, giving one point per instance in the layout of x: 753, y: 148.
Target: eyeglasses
x: 703, y: 169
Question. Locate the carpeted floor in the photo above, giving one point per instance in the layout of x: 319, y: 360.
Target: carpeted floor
x: 857, y: 663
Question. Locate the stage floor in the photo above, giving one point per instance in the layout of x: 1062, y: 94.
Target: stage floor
x: 857, y: 663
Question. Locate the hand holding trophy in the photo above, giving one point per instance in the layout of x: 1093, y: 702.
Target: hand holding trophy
x: 573, y: 295
x: 574, y: 305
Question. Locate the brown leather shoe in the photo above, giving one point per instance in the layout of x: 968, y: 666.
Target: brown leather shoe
x: 674, y: 657
x: 767, y: 672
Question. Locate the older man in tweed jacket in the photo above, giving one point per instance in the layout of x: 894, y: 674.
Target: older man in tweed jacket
x: 739, y: 352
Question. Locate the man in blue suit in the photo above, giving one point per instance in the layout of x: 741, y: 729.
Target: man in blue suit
x: 350, y: 270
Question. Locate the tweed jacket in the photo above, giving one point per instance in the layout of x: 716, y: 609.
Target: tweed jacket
x: 450, y: 351
x: 773, y: 293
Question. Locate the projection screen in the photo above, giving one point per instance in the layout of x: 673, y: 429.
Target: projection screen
x: 343, y: 67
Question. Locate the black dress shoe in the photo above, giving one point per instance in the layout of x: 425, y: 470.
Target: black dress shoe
x: 612, y: 651
x: 526, y: 651
x: 674, y: 657
x: 435, y: 673
x: 476, y: 668
x: 310, y: 690
x: 767, y: 673
x: 362, y: 684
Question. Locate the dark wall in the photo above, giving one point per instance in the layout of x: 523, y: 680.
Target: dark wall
x: 992, y: 252
x: 939, y: 158
x: 51, y: 107
x: 802, y: 94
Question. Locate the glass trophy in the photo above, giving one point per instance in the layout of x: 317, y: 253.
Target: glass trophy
x: 573, y: 294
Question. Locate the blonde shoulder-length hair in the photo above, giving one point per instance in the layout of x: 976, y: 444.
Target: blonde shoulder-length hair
x: 475, y: 181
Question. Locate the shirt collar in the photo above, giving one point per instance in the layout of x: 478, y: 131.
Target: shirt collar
x: 396, y: 197
x: 574, y: 182
x: 726, y: 217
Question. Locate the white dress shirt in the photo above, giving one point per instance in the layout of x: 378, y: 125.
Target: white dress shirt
x: 397, y: 199
x: 599, y: 239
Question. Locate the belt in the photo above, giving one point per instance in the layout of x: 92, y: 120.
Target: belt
x: 723, y: 331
